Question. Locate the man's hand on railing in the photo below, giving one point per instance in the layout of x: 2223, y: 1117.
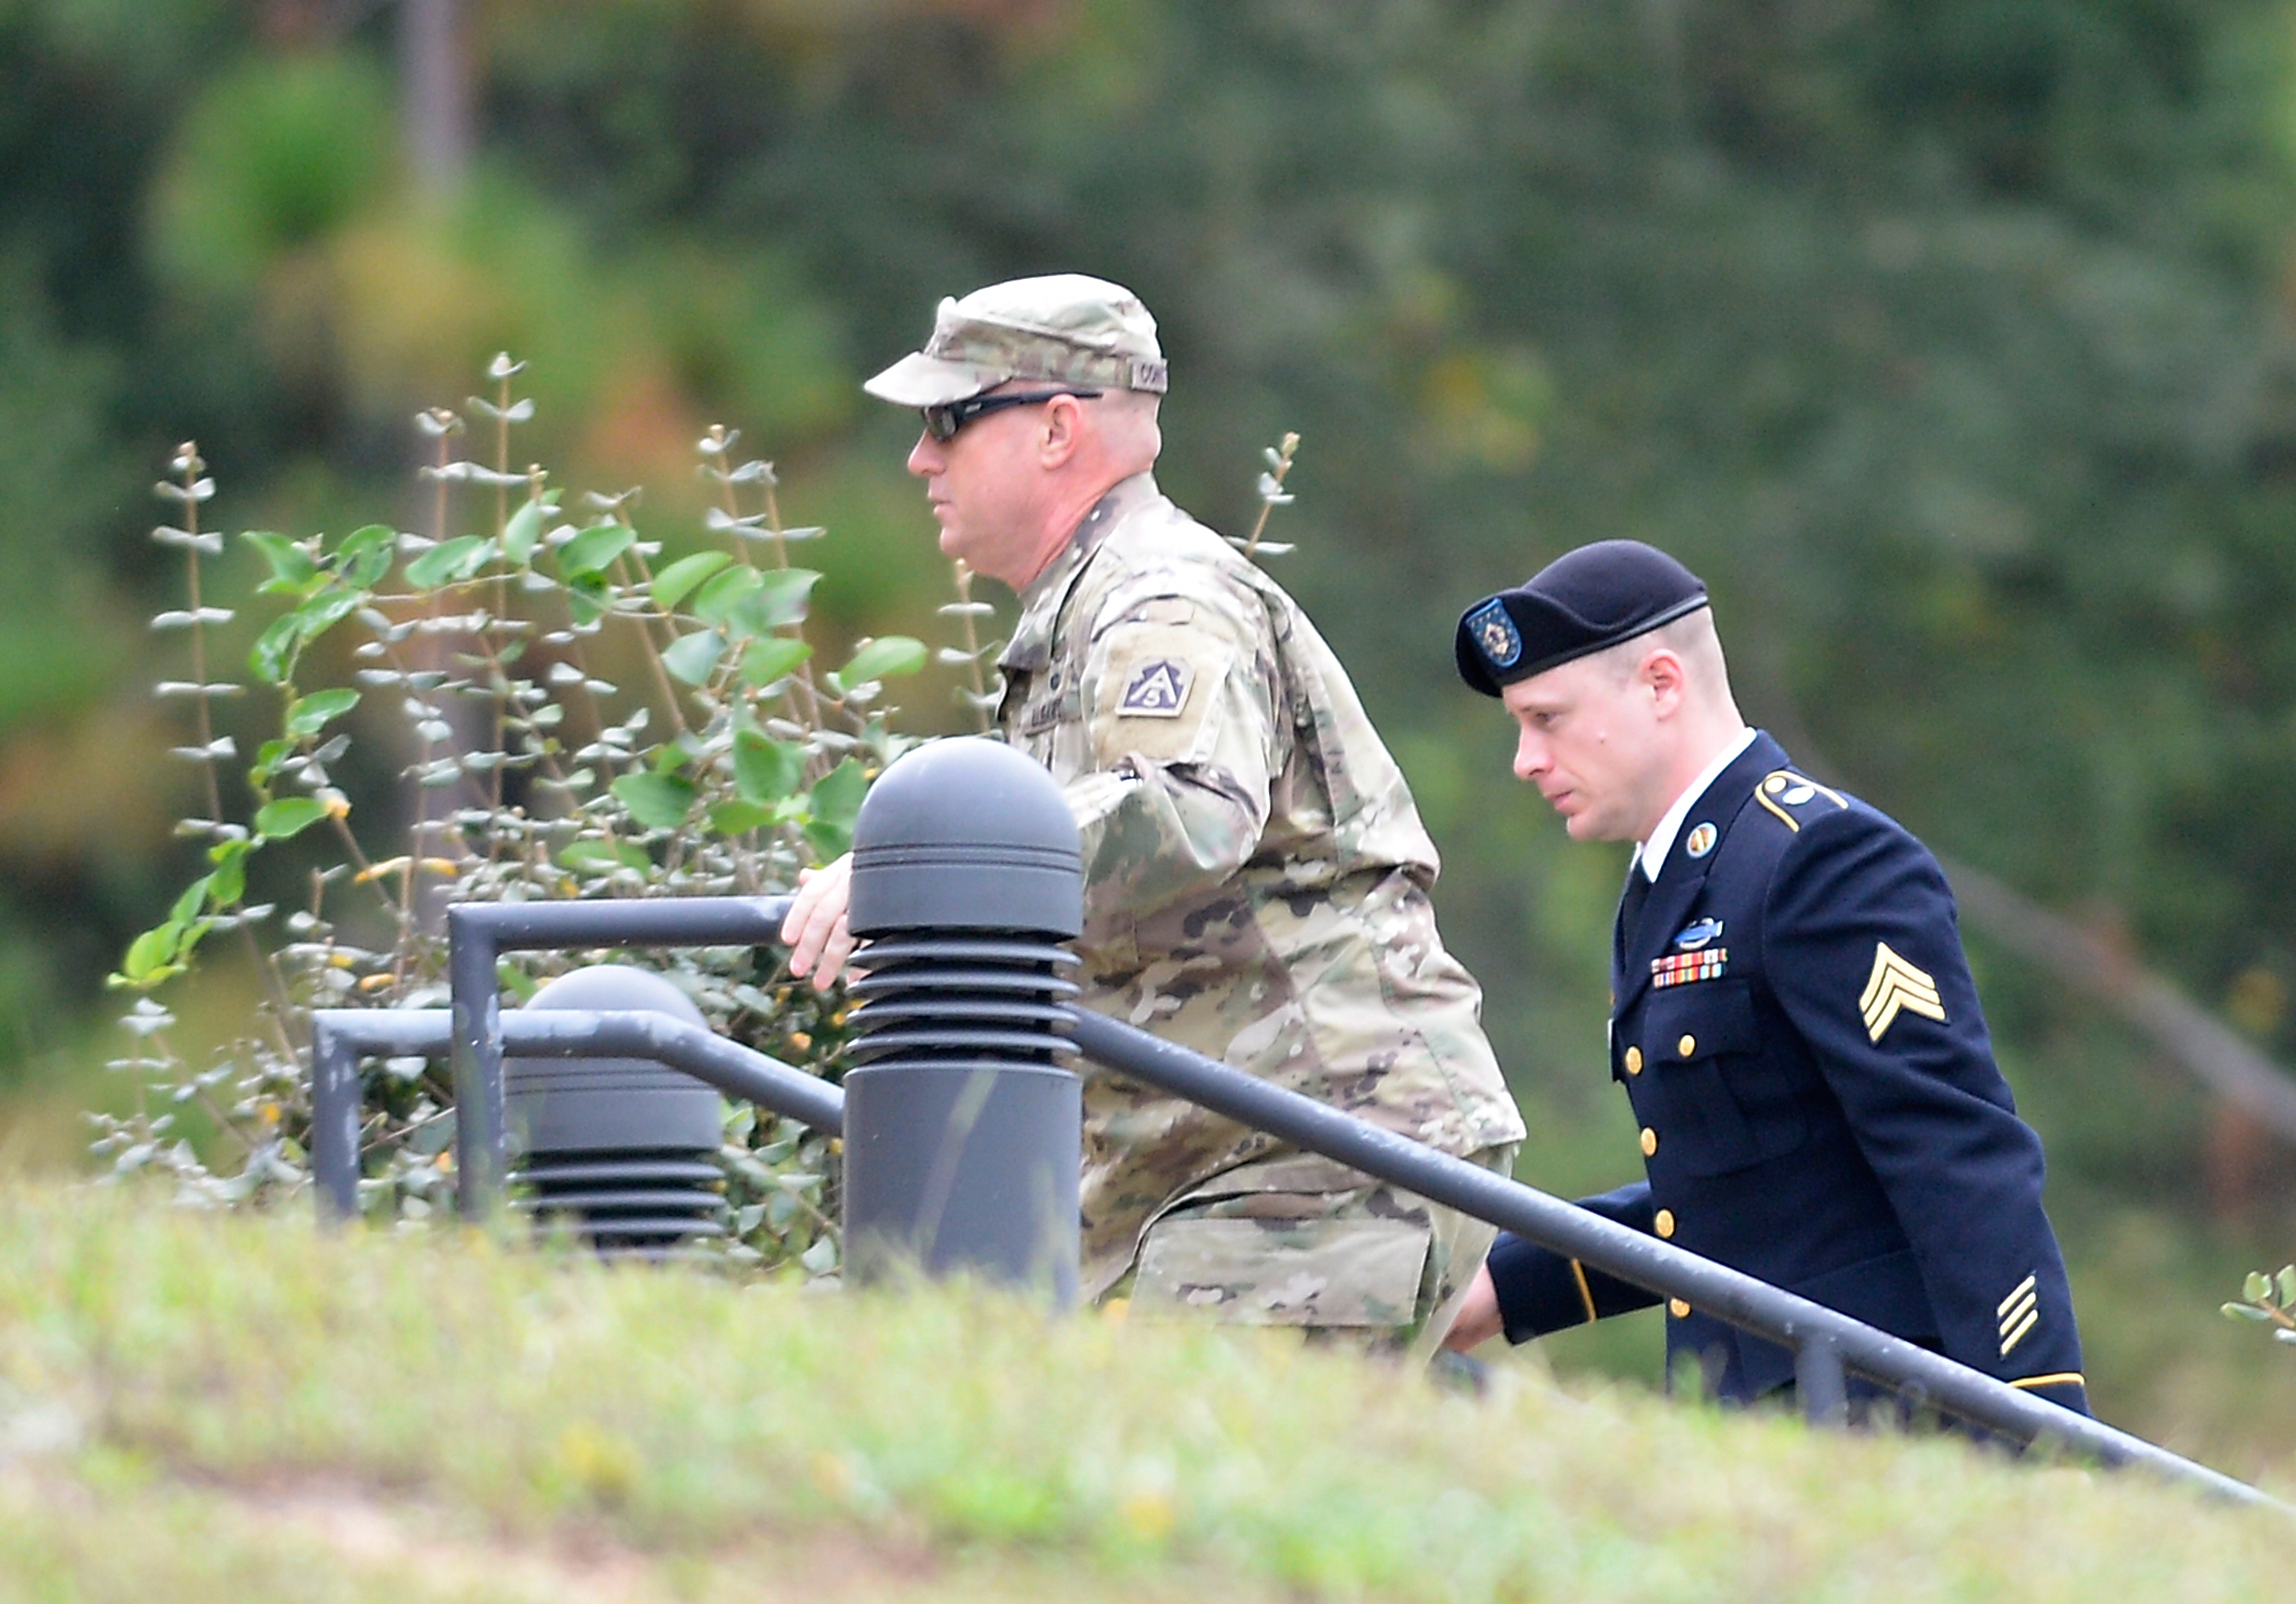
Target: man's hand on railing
x: 819, y: 940
x: 1477, y: 1320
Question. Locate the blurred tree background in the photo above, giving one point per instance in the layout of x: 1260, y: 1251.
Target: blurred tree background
x: 1949, y: 339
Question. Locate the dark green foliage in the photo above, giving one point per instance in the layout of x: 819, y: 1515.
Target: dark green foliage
x: 1945, y: 337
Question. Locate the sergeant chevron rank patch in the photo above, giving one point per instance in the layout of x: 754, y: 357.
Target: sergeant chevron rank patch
x: 1896, y: 986
x: 2019, y: 1312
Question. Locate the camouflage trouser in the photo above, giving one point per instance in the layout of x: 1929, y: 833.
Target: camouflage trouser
x: 1299, y: 1241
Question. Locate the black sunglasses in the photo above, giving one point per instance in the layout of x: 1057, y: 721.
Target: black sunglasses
x: 943, y: 422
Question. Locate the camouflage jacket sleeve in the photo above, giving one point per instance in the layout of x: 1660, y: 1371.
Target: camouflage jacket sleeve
x: 1182, y: 700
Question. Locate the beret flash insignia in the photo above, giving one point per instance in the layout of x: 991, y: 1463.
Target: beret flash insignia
x: 1496, y: 635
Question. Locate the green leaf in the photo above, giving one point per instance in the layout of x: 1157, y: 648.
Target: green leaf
x: 292, y: 568
x: 267, y: 758
x: 2257, y: 1288
x: 691, y: 658
x: 524, y: 532
x: 2287, y: 1286
x: 739, y: 818
x: 781, y: 600
x: 515, y: 980
x: 882, y: 658
x: 151, y: 953
x: 274, y: 648
x: 657, y: 801
x: 770, y: 658
x: 674, y: 582
x: 193, y: 899
x: 366, y: 554
x: 587, y: 598
x: 594, y: 549
x: 326, y: 610
x: 2245, y: 1312
x: 836, y: 803
x: 310, y: 714
x: 449, y: 561
x: 601, y: 857
x: 714, y: 603
x: 287, y: 817
x: 765, y: 770
x: 228, y: 883
x: 676, y: 753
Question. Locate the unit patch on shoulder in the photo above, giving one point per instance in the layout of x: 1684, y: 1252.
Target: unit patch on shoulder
x: 1895, y: 988
x: 1782, y: 789
x: 1157, y: 688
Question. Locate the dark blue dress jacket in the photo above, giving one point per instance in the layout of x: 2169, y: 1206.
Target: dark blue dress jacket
x: 1795, y: 1028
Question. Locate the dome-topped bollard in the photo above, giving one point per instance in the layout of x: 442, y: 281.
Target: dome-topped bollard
x: 964, y: 1127
x: 625, y: 1149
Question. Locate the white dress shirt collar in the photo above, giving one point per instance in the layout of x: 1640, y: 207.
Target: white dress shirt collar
x: 1653, y: 852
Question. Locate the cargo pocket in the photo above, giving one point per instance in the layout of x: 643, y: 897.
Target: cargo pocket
x: 1279, y: 1271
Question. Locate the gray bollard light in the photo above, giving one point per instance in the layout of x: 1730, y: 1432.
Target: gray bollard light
x: 964, y: 1127
x: 624, y: 1147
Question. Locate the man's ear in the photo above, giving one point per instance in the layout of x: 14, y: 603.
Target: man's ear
x: 1668, y: 684
x: 1060, y: 434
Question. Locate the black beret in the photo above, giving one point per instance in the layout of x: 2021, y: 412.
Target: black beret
x: 1577, y: 604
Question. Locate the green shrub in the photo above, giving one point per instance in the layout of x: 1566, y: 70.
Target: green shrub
x: 476, y: 666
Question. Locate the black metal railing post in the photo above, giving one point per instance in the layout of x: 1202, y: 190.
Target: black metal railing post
x: 1819, y: 1382
x: 482, y: 1137
x: 335, y: 1122
x: 478, y: 934
x: 963, y: 1138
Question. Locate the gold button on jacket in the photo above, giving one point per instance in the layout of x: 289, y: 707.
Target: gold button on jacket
x: 1650, y: 1141
x: 1687, y: 1045
x: 1634, y: 1061
x: 1664, y: 1224
x: 1677, y: 1308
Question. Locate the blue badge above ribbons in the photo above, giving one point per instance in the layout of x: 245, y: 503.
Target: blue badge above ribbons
x: 1703, y: 933
x: 1494, y: 635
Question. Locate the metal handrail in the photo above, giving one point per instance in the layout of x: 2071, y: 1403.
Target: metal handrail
x: 477, y: 935
x: 1828, y: 1345
x: 1825, y: 1342
x: 342, y: 1036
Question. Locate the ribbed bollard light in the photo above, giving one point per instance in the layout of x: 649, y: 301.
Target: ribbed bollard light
x: 622, y: 1147
x: 962, y: 1125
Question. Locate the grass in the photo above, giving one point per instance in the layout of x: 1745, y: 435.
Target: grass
x: 196, y: 1408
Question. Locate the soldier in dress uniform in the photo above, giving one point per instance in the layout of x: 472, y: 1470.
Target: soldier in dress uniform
x: 1256, y: 876
x: 1792, y: 1017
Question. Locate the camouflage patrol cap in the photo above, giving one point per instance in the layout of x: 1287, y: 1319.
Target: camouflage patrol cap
x: 1063, y: 328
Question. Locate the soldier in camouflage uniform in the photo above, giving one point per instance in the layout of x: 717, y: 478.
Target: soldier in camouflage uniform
x: 1256, y: 876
